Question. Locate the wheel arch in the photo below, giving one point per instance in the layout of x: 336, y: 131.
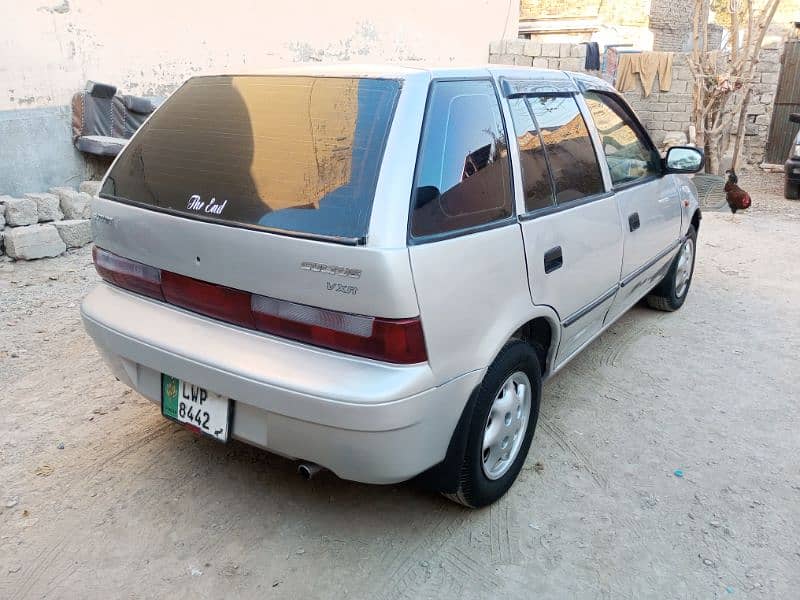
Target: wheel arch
x: 541, y: 328
x: 695, y: 221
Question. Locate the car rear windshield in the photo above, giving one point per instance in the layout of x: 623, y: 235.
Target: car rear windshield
x: 299, y: 155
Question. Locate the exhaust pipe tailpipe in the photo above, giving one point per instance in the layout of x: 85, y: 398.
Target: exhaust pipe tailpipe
x: 308, y: 470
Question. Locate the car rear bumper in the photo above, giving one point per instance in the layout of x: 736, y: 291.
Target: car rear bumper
x: 792, y: 170
x: 364, y: 420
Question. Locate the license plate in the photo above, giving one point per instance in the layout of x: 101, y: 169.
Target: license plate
x: 195, y: 407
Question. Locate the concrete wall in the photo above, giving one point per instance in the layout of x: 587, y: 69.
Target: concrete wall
x: 49, y: 48
x: 36, y: 151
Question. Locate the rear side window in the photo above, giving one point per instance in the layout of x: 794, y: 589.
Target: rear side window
x: 297, y: 154
x: 535, y: 174
x: 463, y: 176
x: 629, y: 153
x: 576, y: 173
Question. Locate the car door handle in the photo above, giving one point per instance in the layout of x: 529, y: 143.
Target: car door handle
x: 553, y: 259
x: 633, y: 221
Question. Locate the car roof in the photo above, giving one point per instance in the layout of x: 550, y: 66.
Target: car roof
x: 421, y: 71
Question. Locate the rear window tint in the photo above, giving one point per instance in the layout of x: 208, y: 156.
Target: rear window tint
x: 297, y: 154
x: 463, y: 177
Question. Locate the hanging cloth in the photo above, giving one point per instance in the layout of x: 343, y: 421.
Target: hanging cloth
x: 652, y: 64
x: 665, y: 72
x: 627, y: 68
x: 592, y: 62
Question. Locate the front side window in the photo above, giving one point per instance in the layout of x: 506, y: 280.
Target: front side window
x: 629, y: 154
x: 569, y: 148
x: 463, y: 177
x: 535, y: 175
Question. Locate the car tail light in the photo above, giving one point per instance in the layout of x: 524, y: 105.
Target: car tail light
x: 128, y: 274
x: 391, y: 340
x: 206, y: 298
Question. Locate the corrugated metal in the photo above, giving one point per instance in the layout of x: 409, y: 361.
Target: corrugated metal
x: 787, y: 100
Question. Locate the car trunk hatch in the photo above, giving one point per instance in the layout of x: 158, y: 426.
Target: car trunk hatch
x: 262, y: 185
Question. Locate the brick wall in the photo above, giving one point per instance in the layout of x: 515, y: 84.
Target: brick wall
x: 671, y: 23
x: 663, y: 112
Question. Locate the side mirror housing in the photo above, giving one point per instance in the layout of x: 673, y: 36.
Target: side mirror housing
x: 794, y: 117
x: 684, y: 159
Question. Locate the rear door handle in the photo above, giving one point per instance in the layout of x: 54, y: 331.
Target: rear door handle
x: 633, y: 221
x: 553, y: 259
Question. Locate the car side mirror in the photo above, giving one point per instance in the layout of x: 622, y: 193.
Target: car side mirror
x: 684, y: 159
x: 794, y: 117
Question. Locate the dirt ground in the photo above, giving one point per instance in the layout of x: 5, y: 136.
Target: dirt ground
x: 103, y: 498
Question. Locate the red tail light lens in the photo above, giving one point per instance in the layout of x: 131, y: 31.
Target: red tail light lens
x: 206, y: 298
x: 391, y: 340
x: 128, y: 274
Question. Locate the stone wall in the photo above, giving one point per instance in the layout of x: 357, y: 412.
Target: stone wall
x: 762, y: 101
x: 662, y: 113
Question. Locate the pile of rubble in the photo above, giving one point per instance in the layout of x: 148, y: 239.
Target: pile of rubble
x: 46, y: 224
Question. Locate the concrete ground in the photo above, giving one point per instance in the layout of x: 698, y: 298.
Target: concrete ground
x: 102, y: 498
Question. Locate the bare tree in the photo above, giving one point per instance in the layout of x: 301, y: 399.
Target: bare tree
x: 723, y: 79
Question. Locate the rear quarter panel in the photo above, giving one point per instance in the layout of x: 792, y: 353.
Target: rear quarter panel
x: 473, y: 295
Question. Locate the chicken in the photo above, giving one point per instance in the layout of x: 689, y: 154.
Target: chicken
x: 737, y: 198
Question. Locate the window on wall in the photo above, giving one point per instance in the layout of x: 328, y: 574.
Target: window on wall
x: 463, y: 176
x: 535, y: 174
x: 629, y: 153
x: 576, y: 173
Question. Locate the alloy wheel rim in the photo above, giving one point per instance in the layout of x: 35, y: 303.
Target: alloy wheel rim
x: 683, y: 272
x: 505, y: 426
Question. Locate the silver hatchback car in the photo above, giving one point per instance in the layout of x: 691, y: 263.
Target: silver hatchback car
x: 374, y: 270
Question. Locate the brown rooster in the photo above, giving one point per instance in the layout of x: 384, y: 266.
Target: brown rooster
x: 737, y: 198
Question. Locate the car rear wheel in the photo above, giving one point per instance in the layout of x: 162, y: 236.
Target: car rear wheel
x: 670, y: 294
x: 501, y: 426
x: 791, y: 190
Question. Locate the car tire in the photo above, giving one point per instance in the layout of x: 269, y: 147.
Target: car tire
x: 791, y: 191
x: 484, y: 475
x: 670, y: 294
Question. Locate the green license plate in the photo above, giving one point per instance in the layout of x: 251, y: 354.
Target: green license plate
x: 196, y: 408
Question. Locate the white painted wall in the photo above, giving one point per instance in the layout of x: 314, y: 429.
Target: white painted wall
x: 49, y: 48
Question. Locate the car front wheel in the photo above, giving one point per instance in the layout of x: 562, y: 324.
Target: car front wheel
x: 670, y: 294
